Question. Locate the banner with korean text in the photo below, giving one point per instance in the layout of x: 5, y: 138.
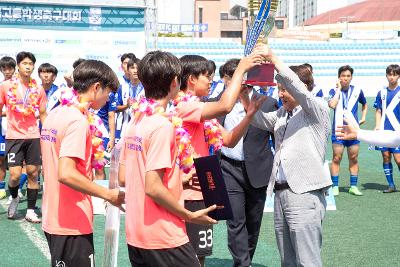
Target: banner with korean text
x: 60, y: 34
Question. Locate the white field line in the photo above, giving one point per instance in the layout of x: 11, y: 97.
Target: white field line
x: 31, y: 232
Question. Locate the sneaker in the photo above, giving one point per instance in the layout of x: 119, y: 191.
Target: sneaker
x: 9, y: 200
x: 21, y: 196
x: 32, y: 217
x: 335, y: 190
x: 3, y: 193
x: 354, y: 191
x: 12, y: 209
x: 390, y: 189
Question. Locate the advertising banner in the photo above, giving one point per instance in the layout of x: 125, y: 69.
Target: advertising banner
x: 59, y: 34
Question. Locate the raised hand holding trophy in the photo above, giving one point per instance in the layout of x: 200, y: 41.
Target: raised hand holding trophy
x: 260, y: 27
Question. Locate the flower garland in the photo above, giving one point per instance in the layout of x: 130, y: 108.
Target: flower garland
x: 212, y: 131
x: 185, y: 150
x: 30, y: 102
x: 69, y: 97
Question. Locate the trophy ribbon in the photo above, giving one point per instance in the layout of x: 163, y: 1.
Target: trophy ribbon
x: 257, y: 27
x: 111, y: 236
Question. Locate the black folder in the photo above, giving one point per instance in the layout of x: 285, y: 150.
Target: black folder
x: 213, y: 186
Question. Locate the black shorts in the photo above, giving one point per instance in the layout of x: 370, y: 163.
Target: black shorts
x: 20, y: 150
x: 200, y: 236
x: 71, y: 250
x: 182, y: 256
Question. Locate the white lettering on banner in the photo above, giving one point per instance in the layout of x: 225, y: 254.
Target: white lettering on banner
x: 27, y: 13
x: 76, y: 15
x: 175, y: 28
x: 7, y: 13
x: 40, y: 14
x: 370, y: 35
x: 66, y: 15
x: 17, y: 13
x: 37, y: 14
x: 187, y: 28
x: 57, y: 15
x: 168, y: 27
x: 47, y: 15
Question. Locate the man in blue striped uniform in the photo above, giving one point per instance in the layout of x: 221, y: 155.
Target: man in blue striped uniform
x: 123, y: 96
x: 48, y: 74
x: 387, y: 104
x: 107, y: 115
x: 344, y: 100
x: 316, y: 91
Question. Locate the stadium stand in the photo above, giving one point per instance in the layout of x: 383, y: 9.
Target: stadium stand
x: 369, y: 58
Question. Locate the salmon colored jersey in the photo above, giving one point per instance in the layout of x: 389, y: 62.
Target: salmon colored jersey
x: 65, y: 133
x: 190, y: 113
x: 150, y: 145
x: 21, y: 126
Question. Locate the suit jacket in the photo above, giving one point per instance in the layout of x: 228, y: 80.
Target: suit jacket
x: 301, y: 144
x: 258, y: 156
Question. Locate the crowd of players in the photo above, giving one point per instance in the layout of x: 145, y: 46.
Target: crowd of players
x: 27, y: 109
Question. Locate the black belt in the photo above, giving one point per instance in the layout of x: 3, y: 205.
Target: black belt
x: 280, y: 187
x: 234, y: 162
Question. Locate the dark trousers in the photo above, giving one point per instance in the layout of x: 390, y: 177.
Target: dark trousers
x: 248, y: 206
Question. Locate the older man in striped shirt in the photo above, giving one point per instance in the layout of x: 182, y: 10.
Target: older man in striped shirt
x: 301, y: 128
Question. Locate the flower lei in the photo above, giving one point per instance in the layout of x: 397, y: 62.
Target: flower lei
x: 185, y: 150
x: 69, y: 97
x: 212, y: 131
x: 29, y: 106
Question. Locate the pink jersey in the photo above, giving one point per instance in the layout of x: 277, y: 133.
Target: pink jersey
x: 190, y: 113
x: 65, y: 133
x: 21, y: 126
x: 150, y: 145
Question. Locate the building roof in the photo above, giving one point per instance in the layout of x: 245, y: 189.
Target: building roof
x: 366, y: 11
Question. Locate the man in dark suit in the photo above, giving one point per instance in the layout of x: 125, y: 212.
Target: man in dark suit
x: 246, y: 169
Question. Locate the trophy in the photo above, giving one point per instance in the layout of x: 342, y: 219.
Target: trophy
x: 260, y: 26
x: 111, y: 232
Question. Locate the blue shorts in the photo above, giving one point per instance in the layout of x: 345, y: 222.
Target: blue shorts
x: 393, y: 150
x: 345, y: 143
x: 2, y: 145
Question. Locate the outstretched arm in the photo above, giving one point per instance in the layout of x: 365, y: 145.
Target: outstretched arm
x: 232, y: 137
x: 313, y: 106
x: 228, y: 99
x: 351, y: 131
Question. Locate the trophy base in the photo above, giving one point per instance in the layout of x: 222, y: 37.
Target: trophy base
x: 262, y: 75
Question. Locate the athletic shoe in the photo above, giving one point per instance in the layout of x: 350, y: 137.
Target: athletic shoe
x: 335, y: 190
x: 9, y: 200
x: 3, y: 193
x: 12, y: 209
x: 354, y: 191
x: 390, y: 189
x: 32, y: 217
x: 21, y: 196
